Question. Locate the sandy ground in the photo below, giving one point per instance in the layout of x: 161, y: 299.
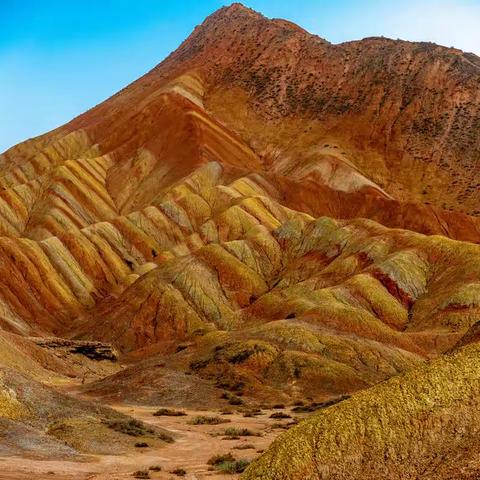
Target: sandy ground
x: 193, y: 446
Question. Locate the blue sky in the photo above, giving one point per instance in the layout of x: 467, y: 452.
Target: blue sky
x: 59, y: 58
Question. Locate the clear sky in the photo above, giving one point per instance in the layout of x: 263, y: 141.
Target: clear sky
x: 61, y: 57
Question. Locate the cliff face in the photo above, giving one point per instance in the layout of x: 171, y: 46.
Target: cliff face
x: 183, y: 211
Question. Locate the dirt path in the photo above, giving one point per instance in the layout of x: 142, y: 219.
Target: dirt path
x: 193, y: 446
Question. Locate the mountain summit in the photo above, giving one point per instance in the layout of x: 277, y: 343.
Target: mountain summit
x: 263, y: 217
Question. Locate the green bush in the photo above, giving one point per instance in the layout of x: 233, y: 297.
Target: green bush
x: 131, y: 427
x: 141, y: 474
x: 207, y: 420
x: 135, y: 428
x: 238, y: 466
x: 218, y: 459
x: 280, y: 415
x: 168, y: 412
x: 180, y: 472
x: 239, y: 432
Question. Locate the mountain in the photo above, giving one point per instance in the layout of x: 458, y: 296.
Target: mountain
x: 264, y: 213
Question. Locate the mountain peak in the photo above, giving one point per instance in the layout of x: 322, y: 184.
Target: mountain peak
x: 234, y: 11
x: 238, y: 7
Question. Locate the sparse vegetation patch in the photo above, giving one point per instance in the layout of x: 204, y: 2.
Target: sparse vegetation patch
x: 208, y: 420
x: 168, y: 412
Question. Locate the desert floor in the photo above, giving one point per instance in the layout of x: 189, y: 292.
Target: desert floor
x: 194, y: 445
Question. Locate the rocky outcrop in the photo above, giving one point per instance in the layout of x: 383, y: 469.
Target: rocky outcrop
x: 92, y: 350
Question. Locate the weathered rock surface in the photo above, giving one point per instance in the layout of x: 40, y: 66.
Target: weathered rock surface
x: 92, y: 350
x: 39, y: 420
x: 419, y: 425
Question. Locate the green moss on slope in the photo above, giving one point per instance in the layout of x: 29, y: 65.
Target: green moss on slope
x: 416, y: 425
